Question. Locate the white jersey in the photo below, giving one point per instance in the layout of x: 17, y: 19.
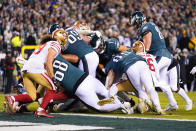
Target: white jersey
x: 37, y: 60
x: 153, y: 66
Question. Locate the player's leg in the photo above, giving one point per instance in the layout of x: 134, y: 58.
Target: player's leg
x: 148, y: 83
x: 87, y: 94
x: 100, y: 89
x: 133, y: 74
x: 163, y: 64
x: 44, y: 80
x: 89, y: 63
x: 29, y: 86
x: 92, y: 60
x: 180, y: 91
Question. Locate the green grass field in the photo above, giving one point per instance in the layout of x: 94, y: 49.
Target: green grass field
x: 180, y: 120
x: 179, y: 114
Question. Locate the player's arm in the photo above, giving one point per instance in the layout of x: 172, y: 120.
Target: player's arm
x: 70, y: 57
x: 147, y: 38
x: 50, y: 58
x: 87, y: 39
x: 109, y: 79
x: 122, y: 48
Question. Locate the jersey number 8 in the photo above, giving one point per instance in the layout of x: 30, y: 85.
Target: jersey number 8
x: 59, y: 75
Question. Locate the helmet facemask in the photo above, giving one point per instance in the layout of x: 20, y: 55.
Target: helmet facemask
x: 61, y: 36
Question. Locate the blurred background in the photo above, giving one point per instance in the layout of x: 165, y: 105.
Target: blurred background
x: 23, y: 22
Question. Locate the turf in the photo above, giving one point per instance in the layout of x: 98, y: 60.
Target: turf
x: 179, y: 114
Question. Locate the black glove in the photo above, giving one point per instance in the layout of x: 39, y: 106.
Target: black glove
x: 56, y: 83
x: 132, y: 102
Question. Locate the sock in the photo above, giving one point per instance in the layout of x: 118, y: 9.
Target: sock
x: 154, y: 98
x: 113, y: 90
x: 23, y: 98
x: 60, y: 96
x: 167, y: 91
x: 183, y: 94
x: 47, y: 98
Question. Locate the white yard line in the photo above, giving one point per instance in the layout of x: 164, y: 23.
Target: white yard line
x: 21, y: 126
x: 127, y: 117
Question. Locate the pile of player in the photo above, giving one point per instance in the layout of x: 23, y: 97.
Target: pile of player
x: 64, y: 67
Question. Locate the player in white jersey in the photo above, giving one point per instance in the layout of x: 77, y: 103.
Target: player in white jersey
x: 139, y: 48
x: 38, y: 69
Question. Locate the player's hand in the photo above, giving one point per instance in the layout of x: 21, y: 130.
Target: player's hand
x: 56, y: 83
x: 193, y: 71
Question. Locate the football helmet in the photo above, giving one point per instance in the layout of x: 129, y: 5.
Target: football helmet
x: 61, y: 36
x: 98, y: 44
x: 138, y: 47
x: 137, y: 19
x: 53, y: 28
x: 82, y: 25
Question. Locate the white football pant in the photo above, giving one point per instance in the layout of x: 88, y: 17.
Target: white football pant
x: 92, y: 61
x: 139, y: 75
x: 164, y: 79
x: 88, y: 90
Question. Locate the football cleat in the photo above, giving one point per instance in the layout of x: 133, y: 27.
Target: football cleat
x: 106, y: 101
x: 42, y: 113
x: 126, y: 108
x: 189, y: 106
x: 142, y: 107
x: 10, y: 105
x: 160, y: 112
x: 171, y: 108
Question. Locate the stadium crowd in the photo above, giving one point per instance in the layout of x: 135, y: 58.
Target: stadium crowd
x: 23, y: 22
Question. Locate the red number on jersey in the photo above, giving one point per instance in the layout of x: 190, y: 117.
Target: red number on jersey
x: 150, y: 64
x: 39, y: 49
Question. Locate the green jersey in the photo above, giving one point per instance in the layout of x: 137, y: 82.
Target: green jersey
x: 68, y: 75
x: 122, y: 61
x: 76, y: 45
x: 112, y: 46
x: 158, y: 47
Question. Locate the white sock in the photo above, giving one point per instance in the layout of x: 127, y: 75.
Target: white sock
x: 167, y: 91
x: 154, y: 98
x: 113, y: 90
x: 183, y: 94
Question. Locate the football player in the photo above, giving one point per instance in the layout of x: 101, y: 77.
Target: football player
x: 136, y: 70
x: 85, y: 87
x: 155, y: 44
x: 84, y: 30
x: 106, y: 50
x: 38, y: 69
x: 89, y: 59
x: 21, y: 99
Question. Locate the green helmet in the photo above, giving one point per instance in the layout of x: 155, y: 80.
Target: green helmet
x: 53, y: 28
x: 137, y: 19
